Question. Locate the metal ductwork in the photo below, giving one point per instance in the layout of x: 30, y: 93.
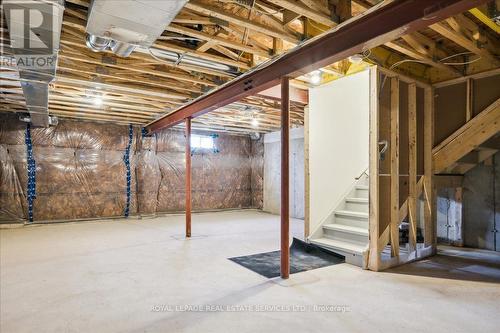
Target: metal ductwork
x: 124, y: 25
x: 53, y: 120
x: 35, y: 30
x: 134, y: 25
x: 97, y: 44
x: 177, y: 58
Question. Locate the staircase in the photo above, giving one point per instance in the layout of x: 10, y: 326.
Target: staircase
x: 345, y: 231
x: 475, y: 157
x: 471, y: 144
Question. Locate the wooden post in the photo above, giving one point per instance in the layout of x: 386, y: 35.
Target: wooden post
x: 373, y: 202
x: 285, y: 136
x: 429, y: 227
x: 412, y: 164
x: 342, y: 9
x: 188, y: 177
x: 277, y: 46
x: 394, y: 144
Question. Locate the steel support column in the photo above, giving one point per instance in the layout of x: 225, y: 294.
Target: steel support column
x: 285, y: 178
x: 188, y: 177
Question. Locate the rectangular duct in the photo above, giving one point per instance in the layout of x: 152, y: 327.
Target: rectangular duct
x: 128, y: 24
x: 35, y: 31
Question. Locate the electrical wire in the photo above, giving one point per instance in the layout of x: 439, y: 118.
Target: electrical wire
x: 462, y: 63
x: 405, y: 61
x: 456, y: 55
x: 440, y: 61
x: 459, y: 63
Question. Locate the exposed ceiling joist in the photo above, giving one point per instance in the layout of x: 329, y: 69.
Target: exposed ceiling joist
x: 347, y: 39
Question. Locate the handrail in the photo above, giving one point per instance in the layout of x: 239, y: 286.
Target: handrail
x: 365, y: 172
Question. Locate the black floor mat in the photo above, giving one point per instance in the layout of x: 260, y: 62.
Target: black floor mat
x: 303, y: 257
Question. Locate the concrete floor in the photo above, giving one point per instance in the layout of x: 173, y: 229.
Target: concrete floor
x: 129, y: 276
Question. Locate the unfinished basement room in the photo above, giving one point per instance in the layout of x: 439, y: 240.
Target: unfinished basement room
x: 250, y: 166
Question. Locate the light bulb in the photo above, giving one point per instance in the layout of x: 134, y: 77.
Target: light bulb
x: 98, y: 101
x: 255, y: 122
x: 315, y: 77
x: 356, y: 58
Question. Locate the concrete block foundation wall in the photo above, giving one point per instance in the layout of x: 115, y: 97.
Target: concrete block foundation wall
x: 481, y: 206
x: 272, y: 173
x: 80, y: 172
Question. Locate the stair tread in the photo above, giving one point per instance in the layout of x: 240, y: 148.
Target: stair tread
x: 351, y: 213
x: 340, y: 245
x: 362, y: 187
x: 347, y: 228
x: 359, y: 200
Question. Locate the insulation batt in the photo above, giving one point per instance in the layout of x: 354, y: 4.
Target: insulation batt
x: 80, y: 172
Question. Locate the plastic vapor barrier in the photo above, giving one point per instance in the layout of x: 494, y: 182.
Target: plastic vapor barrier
x: 80, y: 172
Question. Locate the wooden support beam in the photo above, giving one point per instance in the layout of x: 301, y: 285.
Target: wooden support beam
x: 183, y: 50
x: 188, y: 177
x: 277, y: 46
x: 132, y: 68
x: 296, y: 94
x: 80, y: 115
x: 102, y: 72
x: 429, y: 227
x: 289, y: 16
x: 485, y: 19
x: 477, y: 76
x: 285, y: 178
x: 342, y: 9
x: 320, y: 6
x: 363, y: 3
x: 468, y: 137
x: 192, y: 19
x: 422, y: 57
x: 394, y: 147
x: 213, y: 11
x: 399, y: 17
x: 373, y: 202
x: 121, y: 88
x: 459, y: 39
x: 216, y: 39
x: 299, y: 7
x: 251, y: 39
x: 424, y: 45
x: 412, y: 164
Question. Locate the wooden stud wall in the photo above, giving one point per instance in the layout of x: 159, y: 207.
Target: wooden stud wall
x: 390, y: 189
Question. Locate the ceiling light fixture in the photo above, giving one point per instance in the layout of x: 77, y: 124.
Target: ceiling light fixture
x: 356, y: 59
x: 315, y: 77
x: 97, y: 100
x: 255, y: 122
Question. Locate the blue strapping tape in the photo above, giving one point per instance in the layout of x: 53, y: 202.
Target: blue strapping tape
x: 126, y: 159
x: 31, y: 166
